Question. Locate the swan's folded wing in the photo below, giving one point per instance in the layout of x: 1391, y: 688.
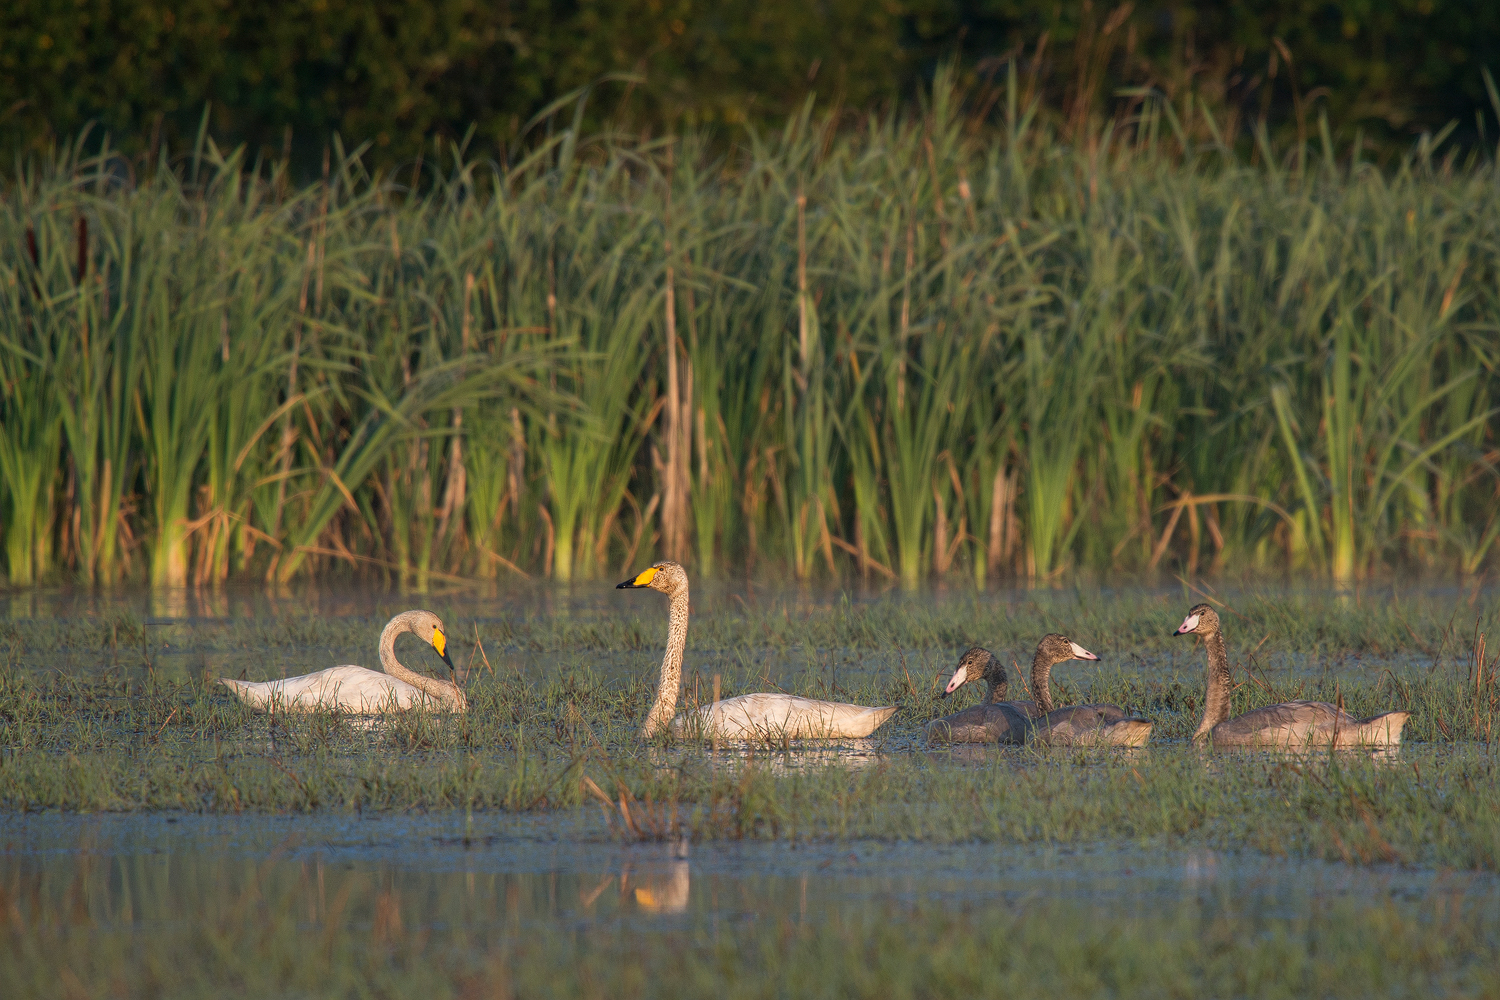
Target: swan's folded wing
x: 1109, y: 714
x: 1291, y: 723
x: 1066, y: 726
x: 999, y: 723
x: 1092, y: 724
x: 774, y: 715
x: 346, y: 689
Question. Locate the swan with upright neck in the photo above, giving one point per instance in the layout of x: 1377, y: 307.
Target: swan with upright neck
x: 993, y: 720
x: 1289, y: 725
x: 748, y: 716
x: 1078, y: 725
x: 360, y: 691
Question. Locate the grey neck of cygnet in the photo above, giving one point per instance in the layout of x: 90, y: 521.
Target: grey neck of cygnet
x: 1216, y: 704
x: 1041, y: 680
x: 445, y: 693
x: 995, y: 683
x: 665, y: 705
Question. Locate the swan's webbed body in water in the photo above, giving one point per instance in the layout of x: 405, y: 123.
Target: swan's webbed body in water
x: 771, y: 714
x: 996, y: 720
x: 747, y: 716
x: 1291, y: 724
x: 360, y: 691
x: 1078, y: 725
x: 1093, y: 725
x: 993, y: 720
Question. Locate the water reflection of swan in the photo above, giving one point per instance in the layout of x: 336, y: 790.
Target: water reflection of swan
x: 855, y: 755
x: 1284, y: 726
x: 748, y: 716
x: 1001, y: 754
x: 1381, y: 756
x: 852, y: 755
x: 654, y: 890
x: 661, y: 892
x: 979, y: 754
x: 1200, y: 867
x: 361, y: 691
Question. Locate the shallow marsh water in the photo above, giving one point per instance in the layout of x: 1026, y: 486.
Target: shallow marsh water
x: 492, y: 905
x: 797, y: 638
x: 494, y: 868
x: 560, y: 885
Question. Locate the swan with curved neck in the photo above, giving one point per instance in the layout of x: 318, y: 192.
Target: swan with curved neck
x: 359, y: 691
x: 994, y: 719
x: 748, y: 716
x: 1078, y: 725
x: 1291, y: 724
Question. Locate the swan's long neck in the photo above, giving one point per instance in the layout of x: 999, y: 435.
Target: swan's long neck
x: 1041, y: 681
x: 442, y: 692
x: 671, y: 666
x: 1216, y: 704
x: 995, y: 684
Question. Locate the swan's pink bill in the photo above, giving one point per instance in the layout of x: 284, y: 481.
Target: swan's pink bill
x: 1082, y: 653
x: 959, y: 676
x: 1188, y: 624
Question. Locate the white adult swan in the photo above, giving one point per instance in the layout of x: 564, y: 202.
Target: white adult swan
x: 1293, y: 724
x: 748, y: 716
x: 993, y: 720
x: 359, y: 691
x: 1078, y: 725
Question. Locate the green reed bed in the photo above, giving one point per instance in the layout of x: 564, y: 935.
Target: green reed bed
x: 929, y: 345
x: 207, y: 929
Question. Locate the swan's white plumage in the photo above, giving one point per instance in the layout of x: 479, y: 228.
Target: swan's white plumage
x: 747, y: 716
x: 361, y: 691
x: 770, y: 715
x: 358, y: 690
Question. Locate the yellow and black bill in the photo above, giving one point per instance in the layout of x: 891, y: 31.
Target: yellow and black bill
x: 440, y: 643
x: 642, y: 579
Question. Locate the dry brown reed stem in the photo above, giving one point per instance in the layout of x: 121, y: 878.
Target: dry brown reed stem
x: 803, y: 348
x: 1484, y: 687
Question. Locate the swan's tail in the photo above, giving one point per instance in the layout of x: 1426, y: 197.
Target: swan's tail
x: 1131, y: 731
x: 1382, y: 730
x: 868, y: 721
x: 249, y: 693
